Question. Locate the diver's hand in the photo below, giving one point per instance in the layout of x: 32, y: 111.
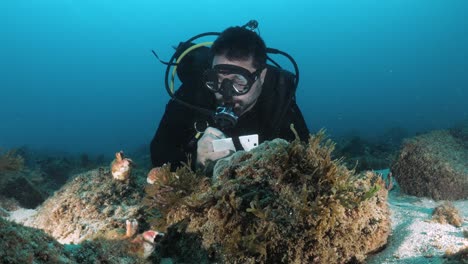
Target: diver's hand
x: 205, y: 152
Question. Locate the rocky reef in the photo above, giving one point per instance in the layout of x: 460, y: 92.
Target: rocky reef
x: 21, y: 244
x: 281, y: 202
x: 434, y: 165
x: 16, y: 183
x: 10, y: 161
x: 89, y: 206
x: 30, y: 176
x: 97, y: 217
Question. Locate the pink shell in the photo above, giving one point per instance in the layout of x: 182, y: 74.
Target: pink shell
x: 150, y: 235
x: 153, y: 175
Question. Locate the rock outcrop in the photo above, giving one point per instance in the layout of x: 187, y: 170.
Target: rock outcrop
x: 90, y: 205
x: 280, y: 202
x: 433, y: 165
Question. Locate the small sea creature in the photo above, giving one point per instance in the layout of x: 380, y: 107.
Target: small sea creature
x: 143, y: 245
x: 159, y: 174
x: 153, y: 175
x: 131, y: 227
x: 121, y: 167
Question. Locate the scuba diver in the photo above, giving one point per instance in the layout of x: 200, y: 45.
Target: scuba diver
x: 229, y: 99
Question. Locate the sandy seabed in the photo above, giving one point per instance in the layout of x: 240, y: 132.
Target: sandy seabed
x: 415, y: 238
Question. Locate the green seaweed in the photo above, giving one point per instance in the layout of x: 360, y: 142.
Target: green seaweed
x: 255, y: 210
x: 370, y: 193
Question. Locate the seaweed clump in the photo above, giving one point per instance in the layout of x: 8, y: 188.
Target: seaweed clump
x: 458, y: 257
x: 10, y: 161
x: 433, y: 165
x: 281, y: 202
x: 15, y: 183
x: 447, y: 213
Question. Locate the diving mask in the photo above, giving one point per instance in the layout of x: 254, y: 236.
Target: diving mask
x: 230, y: 79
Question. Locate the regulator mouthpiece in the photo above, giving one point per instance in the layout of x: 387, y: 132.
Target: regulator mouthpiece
x: 225, y: 117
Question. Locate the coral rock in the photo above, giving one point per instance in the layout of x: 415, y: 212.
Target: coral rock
x: 278, y: 203
x: 433, y: 165
x: 90, y: 205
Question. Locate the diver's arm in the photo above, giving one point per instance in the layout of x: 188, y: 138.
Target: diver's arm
x: 175, y: 138
x: 170, y: 143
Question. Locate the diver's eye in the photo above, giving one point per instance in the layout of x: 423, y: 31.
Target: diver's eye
x: 240, y: 89
x: 240, y: 79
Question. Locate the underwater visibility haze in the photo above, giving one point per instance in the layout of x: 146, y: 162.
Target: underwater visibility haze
x: 383, y: 177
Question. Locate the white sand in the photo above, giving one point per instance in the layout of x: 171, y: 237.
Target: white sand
x: 21, y: 215
x: 414, y: 238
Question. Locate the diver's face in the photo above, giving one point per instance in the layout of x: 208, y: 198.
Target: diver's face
x: 245, y: 102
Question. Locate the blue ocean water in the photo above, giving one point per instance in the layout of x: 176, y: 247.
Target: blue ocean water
x: 79, y: 76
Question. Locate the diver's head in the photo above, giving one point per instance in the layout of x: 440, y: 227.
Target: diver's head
x: 238, y: 43
x: 238, y: 69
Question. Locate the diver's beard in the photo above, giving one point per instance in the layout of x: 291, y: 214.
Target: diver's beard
x: 237, y: 110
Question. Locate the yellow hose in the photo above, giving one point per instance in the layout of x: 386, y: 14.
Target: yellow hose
x: 171, y: 86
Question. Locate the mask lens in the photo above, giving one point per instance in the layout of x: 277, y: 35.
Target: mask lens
x: 211, y: 81
x: 211, y: 85
x: 240, y: 80
x: 229, y: 77
x: 240, y: 83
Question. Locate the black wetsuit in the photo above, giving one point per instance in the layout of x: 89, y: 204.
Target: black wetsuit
x: 270, y: 118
